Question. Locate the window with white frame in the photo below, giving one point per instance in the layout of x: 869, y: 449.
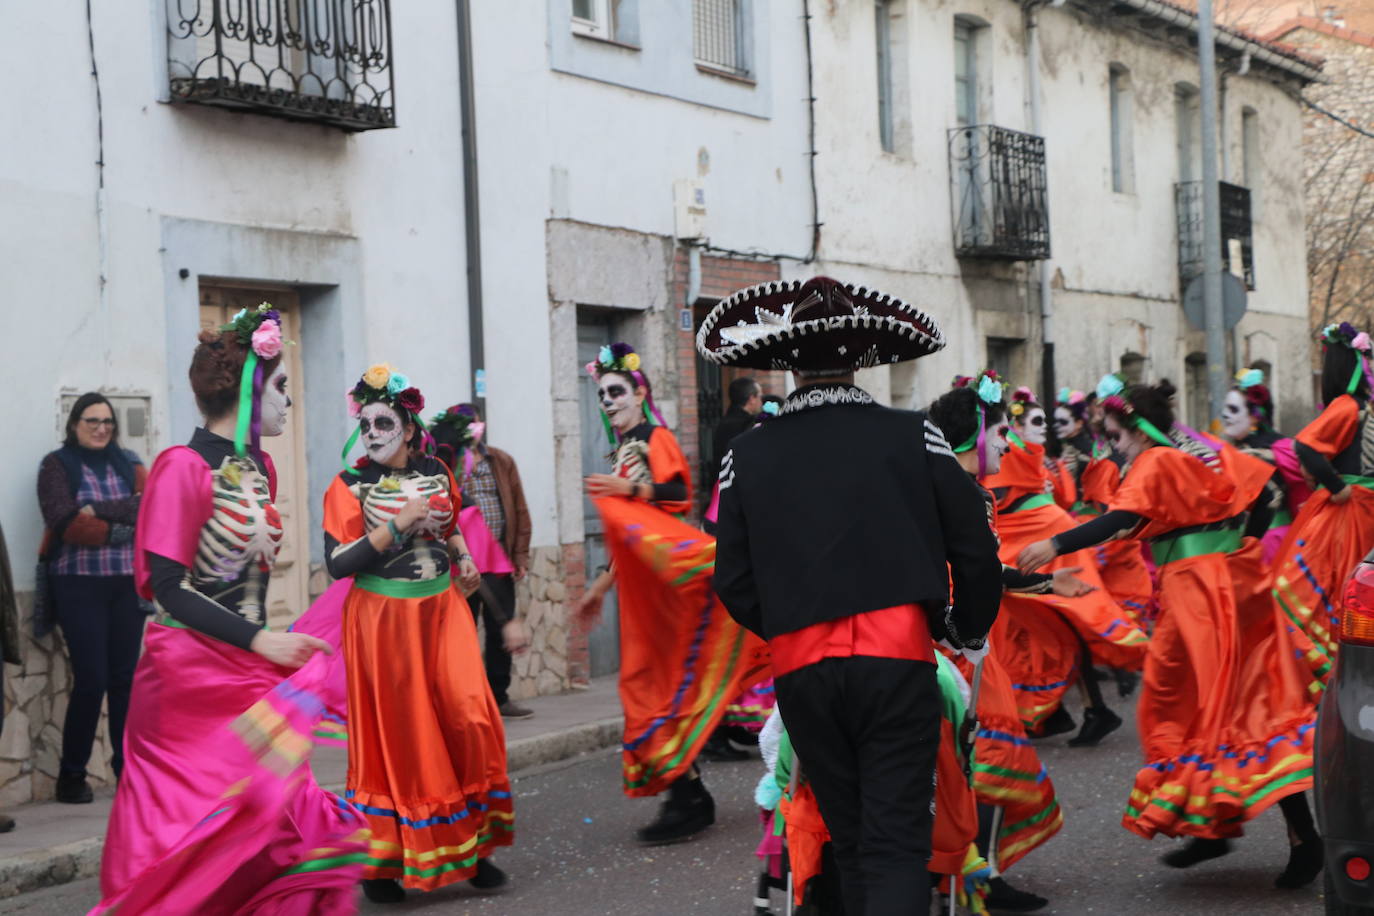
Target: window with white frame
x: 1122, y: 115
x: 719, y: 35
x: 594, y: 17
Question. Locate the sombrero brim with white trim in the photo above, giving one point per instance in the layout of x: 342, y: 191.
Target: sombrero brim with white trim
x: 820, y: 325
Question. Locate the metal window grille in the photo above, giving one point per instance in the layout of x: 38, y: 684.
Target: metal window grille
x: 716, y: 35
x: 313, y: 60
x: 1001, y: 200
x: 1236, y: 232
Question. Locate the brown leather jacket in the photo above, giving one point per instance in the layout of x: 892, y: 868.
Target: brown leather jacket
x: 517, y: 540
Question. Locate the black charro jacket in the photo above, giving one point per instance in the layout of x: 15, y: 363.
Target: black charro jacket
x: 840, y: 506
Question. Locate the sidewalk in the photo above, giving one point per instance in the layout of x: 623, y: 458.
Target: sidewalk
x: 54, y: 844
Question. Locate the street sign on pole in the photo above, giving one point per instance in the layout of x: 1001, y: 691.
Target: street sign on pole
x: 1233, y: 298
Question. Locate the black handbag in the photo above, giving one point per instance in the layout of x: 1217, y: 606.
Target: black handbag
x: 44, y: 601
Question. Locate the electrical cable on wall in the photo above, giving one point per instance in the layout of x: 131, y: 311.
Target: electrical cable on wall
x: 1338, y: 119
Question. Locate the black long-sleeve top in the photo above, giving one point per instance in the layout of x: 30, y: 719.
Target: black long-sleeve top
x: 839, y: 507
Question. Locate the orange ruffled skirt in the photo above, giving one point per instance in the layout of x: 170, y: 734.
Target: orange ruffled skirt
x: 1113, y: 635
x: 426, y: 746
x: 1322, y: 549
x: 1223, y: 739
x: 1039, y: 651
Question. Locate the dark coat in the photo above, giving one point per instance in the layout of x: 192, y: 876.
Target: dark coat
x: 840, y: 506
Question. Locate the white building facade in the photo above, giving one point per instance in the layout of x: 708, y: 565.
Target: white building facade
x: 593, y: 171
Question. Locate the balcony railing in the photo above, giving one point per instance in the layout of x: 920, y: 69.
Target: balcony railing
x: 1001, y: 205
x: 1237, y: 244
x: 327, y: 61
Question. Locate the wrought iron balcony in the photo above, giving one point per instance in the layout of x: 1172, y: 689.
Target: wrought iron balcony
x: 327, y: 61
x: 1001, y: 202
x: 1237, y: 244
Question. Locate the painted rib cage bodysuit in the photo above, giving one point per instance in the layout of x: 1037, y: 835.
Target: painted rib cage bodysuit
x: 239, y: 542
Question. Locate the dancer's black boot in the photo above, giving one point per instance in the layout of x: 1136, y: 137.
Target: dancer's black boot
x: 1098, y: 723
x: 1306, y: 854
x: 719, y: 749
x: 1057, y: 723
x: 1194, y: 851
x: 489, y: 879
x: 688, y: 810
x: 383, y: 890
x: 1002, y: 896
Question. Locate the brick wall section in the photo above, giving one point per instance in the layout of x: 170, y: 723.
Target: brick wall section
x: 720, y: 276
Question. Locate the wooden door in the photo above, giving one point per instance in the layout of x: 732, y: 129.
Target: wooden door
x: 603, y: 642
x: 287, y: 595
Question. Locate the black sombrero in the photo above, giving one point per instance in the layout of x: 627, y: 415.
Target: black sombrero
x: 820, y: 325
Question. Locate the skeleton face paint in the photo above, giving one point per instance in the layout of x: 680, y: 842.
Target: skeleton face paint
x: 1129, y: 443
x: 995, y: 445
x: 383, y: 433
x: 1065, y: 426
x: 623, y: 406
x: 275, y: 402
x: 1235, y: 416
x: 1032, y: 426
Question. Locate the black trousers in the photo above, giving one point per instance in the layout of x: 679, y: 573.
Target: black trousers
x: 102, y: 624
x: 866, y: 731
x: 497, y: 659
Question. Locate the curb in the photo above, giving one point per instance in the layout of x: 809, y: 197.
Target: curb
x: 80, y: 859
x: 40, y: 868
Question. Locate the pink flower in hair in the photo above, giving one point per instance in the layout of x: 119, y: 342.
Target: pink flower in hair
x: 1361, y: 342
x: 355, y: 409
x: 267, y: 340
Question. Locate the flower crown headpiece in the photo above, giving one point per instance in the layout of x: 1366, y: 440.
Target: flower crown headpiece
x: 1250, y: 383
x: 462, y: 419
x: 259, y: 331
x: 1022, y: 400
x: 382, y: 383
x: 1120, y: 404
x: 621, y: 357
x: 989, y: 389
x: 1110, y: 384
x: 1345, y: 335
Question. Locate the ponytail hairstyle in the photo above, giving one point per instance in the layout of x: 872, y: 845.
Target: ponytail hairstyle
x: 1144, y: 408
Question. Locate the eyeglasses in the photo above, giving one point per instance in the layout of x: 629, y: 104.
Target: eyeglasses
x: 97, y: 422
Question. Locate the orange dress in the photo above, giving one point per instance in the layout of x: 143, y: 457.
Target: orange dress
x: 1205, y: 772
x: 426, y: 745
x: 682, y: 657
x: 1026, y: 513
x: 1120, y: 562
x: 1326, y: 542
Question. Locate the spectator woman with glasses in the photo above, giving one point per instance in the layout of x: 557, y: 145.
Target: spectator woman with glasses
x: 89, y: 493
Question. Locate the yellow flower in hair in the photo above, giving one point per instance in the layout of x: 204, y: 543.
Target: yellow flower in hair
x: 1017, y: 408
x: 631, y: 362
x: 377, y: 376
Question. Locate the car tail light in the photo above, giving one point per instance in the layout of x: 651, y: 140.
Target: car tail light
x: 1357, y: 868
x: 1357, y: 617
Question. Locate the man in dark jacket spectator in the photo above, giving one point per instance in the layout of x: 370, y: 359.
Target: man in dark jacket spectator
x: 491, y: 481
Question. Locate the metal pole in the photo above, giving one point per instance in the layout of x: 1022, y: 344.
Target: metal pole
x: 1042, y: 267
x: 472, y: 219
x: 1211, y: 213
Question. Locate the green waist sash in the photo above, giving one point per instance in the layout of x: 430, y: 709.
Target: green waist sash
x: 1281, y: 517
x: 1358, y: 481
x: 1194, y: 544
x: 1085, y: 508
x: 403, y: 588
x: 1034, y: 502
x: 167, y: 620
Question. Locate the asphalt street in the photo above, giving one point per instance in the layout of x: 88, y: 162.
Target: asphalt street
x: 575, y: 853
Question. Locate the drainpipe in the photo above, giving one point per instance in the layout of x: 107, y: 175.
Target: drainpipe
x: 472, y: 228
x: 1047, y: 374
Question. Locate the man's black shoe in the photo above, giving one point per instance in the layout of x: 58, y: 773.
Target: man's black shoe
x: 1098, y: 723
x: 1002, y: 896
x: 74, y: 790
